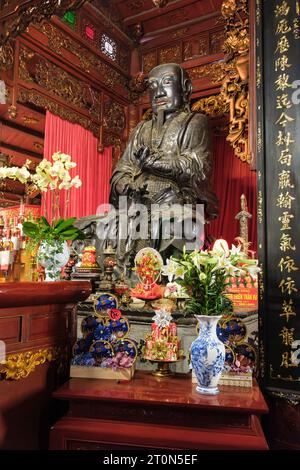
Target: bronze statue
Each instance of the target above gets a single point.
(167, 159)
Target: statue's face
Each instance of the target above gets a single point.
(166, 92)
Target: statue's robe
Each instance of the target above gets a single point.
(183, 173)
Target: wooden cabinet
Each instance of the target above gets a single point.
(149, 412)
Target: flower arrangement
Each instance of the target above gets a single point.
(48, 176)
(205, 276)
(104, 343)
(147, 266)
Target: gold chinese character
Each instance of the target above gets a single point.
(297, 8)
(283, 45)
(288, 264)
(286, 243)
(288, 285)
(284, 139)
(283, 27)
(287, 336)
(284, 119)
(282, 82)
(285, 362)
(285, 219)
(285, 180)
(296, 29)
(282, 63)
(282, 9)
(285, 157)
(283, 101)
(288, 310)
(284, 201)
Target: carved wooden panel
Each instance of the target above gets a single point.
(114, 118)
(44, 325)
(195, 47)
(149, 61)
(170, 54)
(216, 41)
(36, 69)
(10, 328)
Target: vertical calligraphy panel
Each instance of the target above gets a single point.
(278, 165)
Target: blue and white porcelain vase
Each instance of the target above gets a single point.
(207, 355)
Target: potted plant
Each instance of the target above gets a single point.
(49, 234)
(50, 242)
(204, 275)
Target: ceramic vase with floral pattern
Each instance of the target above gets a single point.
(53, 255)
(207, 355)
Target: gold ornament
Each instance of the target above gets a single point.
(19, 366)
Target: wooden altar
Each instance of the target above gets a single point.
(37, 329)
(149, 412)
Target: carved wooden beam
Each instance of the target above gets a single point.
(16, 16)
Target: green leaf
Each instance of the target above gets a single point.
(31, 230)
(62, 225)
(44, 222)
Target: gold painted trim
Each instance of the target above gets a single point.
(19, 366)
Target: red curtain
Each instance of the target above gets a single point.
(231, 179)
(94, 169)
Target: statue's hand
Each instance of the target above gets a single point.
(142, 155)
(136, 192)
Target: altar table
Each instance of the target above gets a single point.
(157, 413)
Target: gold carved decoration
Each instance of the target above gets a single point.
(29, 96)
(35, 68)
(19, 366)
(6, 56)
(149, 61)
(212, 106)
(180, 33)
(170, 54)
(137, 85)
(114, 117)
(14, 22)
(12, 112)
(160, 3)
(216, 71)
(29, 120)
(235, 90)
(57, 41)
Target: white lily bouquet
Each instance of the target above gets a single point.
(205, 275)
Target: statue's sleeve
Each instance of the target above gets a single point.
(194, 165)
(194, 144)
(126, 167)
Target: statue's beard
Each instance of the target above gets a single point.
(160, 118)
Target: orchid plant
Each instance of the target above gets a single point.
(205, 276)
(48, 176)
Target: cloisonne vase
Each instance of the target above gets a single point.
(207, 355)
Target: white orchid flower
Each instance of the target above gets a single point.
(69, 165)
(76, 182)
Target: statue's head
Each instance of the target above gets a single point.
(170, 88)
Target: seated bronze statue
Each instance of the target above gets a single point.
(167, 159)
